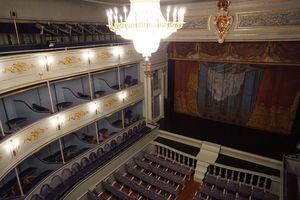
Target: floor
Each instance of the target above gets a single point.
(189, 190)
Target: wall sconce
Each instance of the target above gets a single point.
(93, 106)
(88, 55)
(117, 51)
(47, 62)
(122, 96)
(13, 147)
(58, 122)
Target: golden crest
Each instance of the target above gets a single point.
(78, 115)
(18, 67)
(35, 134)
(1, 157)
(223, 21)
(69, 60)
(105, 55)
(110, 102)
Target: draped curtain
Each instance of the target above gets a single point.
(253, 84)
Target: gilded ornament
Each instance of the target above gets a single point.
(148, 72)
(110, 102)
(18, 67)
(35, 134)
(105, 55)
(133, 93)
(78, 115)
(223, 21)
(69, 60)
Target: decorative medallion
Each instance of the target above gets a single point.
(223, 21)
(110, 102)
(105, 55)
(78, 115)
(69, 60)
(18, 67)
(1, 157)
(35, 134)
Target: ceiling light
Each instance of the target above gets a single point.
(145, 25)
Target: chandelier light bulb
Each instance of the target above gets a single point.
(145, 24)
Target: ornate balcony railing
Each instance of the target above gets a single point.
(29, 69)
(32, 138)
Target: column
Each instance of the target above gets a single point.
(148, 76)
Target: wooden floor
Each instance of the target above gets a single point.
(189, 190)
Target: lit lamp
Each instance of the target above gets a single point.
(94, 107)
(47, 62)
(58, 122)
(122, 96)
(145, 25)
(13, 146)
(88, 55)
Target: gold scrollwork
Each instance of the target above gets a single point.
(110, 102)
(105, 55)
(223, 21)
(35, 134)
(78, 115)
(69, 60)
(18, 67)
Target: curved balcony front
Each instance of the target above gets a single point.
(30, 69)
(32, 138)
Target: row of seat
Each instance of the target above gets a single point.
(171, 165)
(223, 189)
(147, 179)
(165, 174)
(152, 180)
(59, 186)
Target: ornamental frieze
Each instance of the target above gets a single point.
(198, 23)
(18, 67)
(274, 18)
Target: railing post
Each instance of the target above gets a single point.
(1, 129)
(61, 151)
(97, 136)
(19, 182)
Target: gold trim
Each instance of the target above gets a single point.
(78, 115)
(105, 55)
(35, 135)
(110, 102)
(18, 67)
(69, 60)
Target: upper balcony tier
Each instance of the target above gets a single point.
(29, 69)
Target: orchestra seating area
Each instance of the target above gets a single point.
(146, 177)
(216, 188)
(69, 177)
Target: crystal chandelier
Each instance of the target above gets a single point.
(145, 25)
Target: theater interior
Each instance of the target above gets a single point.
(150, 99)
